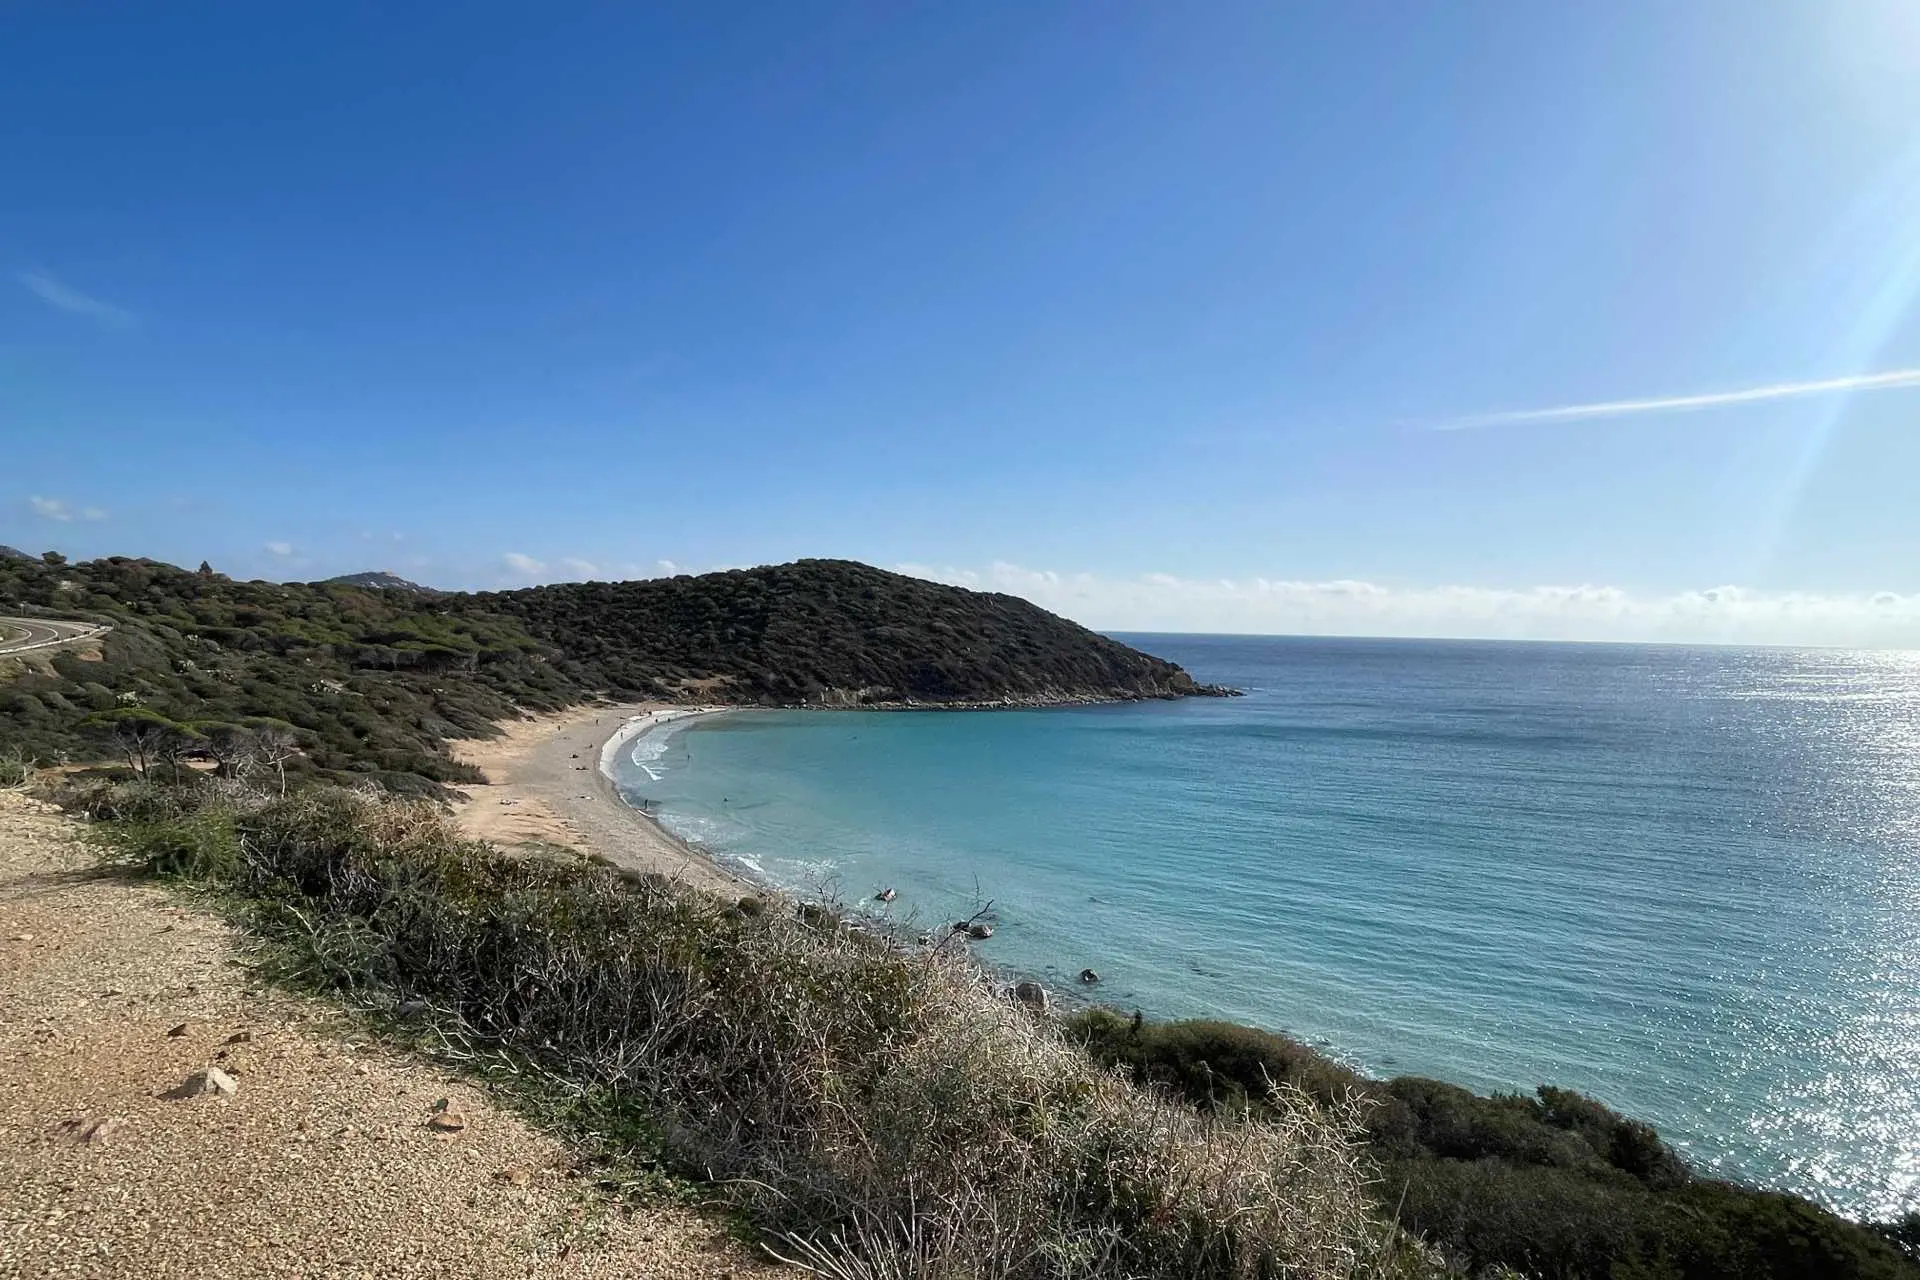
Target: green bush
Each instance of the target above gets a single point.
(197, 846)
(1214, 1064)
(1556, 1185)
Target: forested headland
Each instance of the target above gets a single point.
(372, 680)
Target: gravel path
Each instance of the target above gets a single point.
(322, 1163)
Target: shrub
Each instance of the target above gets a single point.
(196, 846)
(1214, 1064)
(873, 1110)
(15, 769)
(1556, 1185)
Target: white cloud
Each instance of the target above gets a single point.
(1724, 614)
(524, 565)
(56, 293)
(280, 548)
(579, 568)
(64, 512)
(1888, 381)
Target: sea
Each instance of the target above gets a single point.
(1684, 880)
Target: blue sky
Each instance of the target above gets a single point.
(1247, 316)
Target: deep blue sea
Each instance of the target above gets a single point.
(1684, 880)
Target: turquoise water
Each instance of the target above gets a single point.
(1684, 880)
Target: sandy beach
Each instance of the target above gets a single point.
(547, 786)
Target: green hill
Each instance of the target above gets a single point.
(373, 680)
(833, 632)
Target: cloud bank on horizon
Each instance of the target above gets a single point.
(1257, 606)
(1890, 380)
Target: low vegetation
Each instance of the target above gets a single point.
(872, 1112)
(1553, 1185)
(369, 682)
(365, 684)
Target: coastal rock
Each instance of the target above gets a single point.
(885, 895)
(448, 1121)
(1031, 995)
(1089, 977)
(980, 929)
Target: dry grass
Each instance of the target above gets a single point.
(16, 771)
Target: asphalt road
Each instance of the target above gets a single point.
(18, 635)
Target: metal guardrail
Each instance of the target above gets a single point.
(89, 633)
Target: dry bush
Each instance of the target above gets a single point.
(16, 770)
(876, 1112)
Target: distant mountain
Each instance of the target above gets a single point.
(375, 580)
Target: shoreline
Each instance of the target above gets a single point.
(522, 761)
(639, 725)
(549, 784)
(633, 730)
